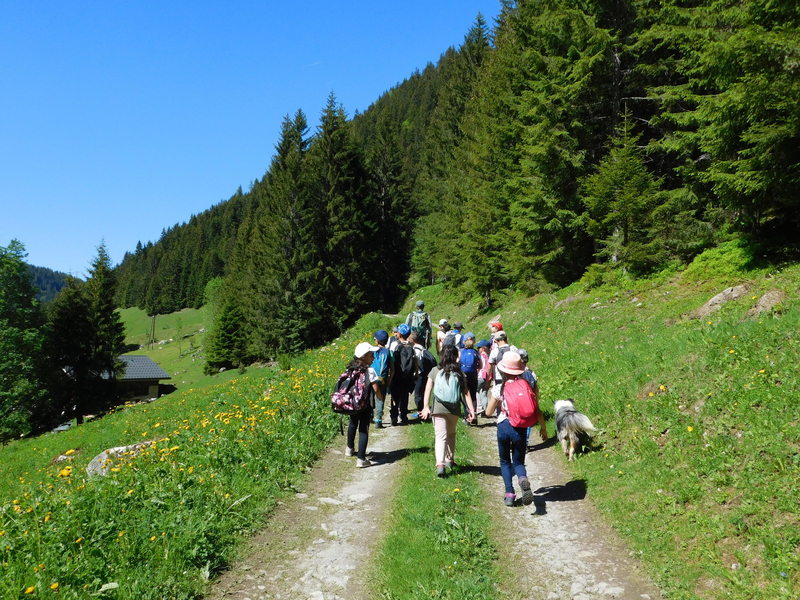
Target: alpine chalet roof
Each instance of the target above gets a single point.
(142, 367)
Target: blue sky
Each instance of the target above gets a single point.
(120, 118)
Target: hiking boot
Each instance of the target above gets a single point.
(527, 494)
(363, 462)
(509, 499)
(348, 451)
(440, 471)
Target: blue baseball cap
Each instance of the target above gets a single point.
(483, 343)
(382, 336)
(469, 336)
(403, 329)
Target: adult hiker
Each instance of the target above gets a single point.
(420, 323)
(406, 369)
(518, 409)
(469, 361)
(426, 362)
(359, 421)
(444, 327)
(384, 368)
(445, 391)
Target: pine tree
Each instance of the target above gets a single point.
(349, 227)
(74, 376)
(108, 338)
(22, 392)
(620, 197)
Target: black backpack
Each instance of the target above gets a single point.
(405, 361)
(453, 338)
(427, 363)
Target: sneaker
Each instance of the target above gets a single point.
(348, 451)
(451, 465)
(527, 494)
(509, 499)
(440, 471)
(378, 425)
(363, 462)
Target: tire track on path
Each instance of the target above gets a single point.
(560, 547)
(318, 545)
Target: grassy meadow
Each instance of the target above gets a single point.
(166, 519)
(696, 462)
(178, 346)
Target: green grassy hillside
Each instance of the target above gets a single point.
(697, 462)
(178, 346)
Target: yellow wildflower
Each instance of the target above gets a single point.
(54, 586)
(690, 429)
(30, 589)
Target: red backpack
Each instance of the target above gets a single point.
(520, 403)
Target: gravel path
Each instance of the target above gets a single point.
(317, 541)
(317, 544)
(561, 548)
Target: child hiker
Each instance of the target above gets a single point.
(519, 409)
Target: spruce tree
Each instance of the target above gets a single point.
(108, 331)
(23, 400)
(620, 198)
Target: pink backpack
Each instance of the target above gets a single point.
(352, 392)
(520, 403)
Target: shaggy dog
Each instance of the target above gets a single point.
(574, 428)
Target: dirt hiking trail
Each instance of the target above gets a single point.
(560, 546)
(318, 544)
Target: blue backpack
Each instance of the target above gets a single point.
(469, 360)
(381, 363)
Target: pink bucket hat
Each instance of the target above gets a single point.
(511, 363)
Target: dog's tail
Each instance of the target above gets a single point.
(581, 421)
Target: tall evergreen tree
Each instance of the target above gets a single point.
(22, 392)
(351, 239)
(620, 197)
(108, 338)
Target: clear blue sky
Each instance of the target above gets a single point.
(120, 118)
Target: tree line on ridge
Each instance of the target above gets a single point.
(602, 135)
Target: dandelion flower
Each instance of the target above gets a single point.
(731, 351)
(650, 394)
(690, 428)
(54, 586)
(30, 589)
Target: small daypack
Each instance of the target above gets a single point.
(501, 350)
(352, 392)
(427, 363)
(520, 403)
(470, 361)
(452, 339)
(381, 363)
(419, 324)
(405, 361)
(447, 390)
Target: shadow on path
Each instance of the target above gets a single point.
(570, 491)
(392, 456)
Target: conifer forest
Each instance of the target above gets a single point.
(568, 136)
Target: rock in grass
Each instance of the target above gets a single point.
(104, 462)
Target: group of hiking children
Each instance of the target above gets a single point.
(488, 378)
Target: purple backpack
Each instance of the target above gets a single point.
(351, 394)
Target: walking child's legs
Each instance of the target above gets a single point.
(519, 447)
(505, 436)
(444, 427)
(359, 422)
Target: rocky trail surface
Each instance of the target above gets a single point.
(317, 545)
